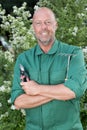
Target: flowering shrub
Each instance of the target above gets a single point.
(18, 29)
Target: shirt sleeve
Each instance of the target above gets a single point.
(77, 74)
(16, 87)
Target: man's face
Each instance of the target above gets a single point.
(44, 25)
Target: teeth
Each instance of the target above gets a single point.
(44, 33)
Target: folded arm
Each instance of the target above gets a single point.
(28, 101)
(36, 94)
(59, 92)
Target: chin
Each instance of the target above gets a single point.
(46, 42)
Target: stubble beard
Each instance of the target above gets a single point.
(44, 42)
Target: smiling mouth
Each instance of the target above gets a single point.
(44, 33)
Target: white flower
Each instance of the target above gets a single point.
(24, 4)
(2, 12)
(36, 7)
(23, 112)
(75, 30)
(73, 33)
(9, 56)
(4, 115)
(9, 100)
(7, 24)
(80, 15)
(6, 87)
(13, 107)
(2, 88)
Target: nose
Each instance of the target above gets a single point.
(43, 26)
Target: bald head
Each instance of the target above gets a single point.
(44, 10)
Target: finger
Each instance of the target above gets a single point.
(22, 76)
(27, 79)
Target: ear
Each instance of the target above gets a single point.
(56, 26)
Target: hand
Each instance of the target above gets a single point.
(24, 78)
(30, 87)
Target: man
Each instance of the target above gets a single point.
(57, 79)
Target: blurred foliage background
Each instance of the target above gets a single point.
(16, 35)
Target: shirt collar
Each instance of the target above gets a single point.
(53, 49)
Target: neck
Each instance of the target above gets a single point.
(46, 48)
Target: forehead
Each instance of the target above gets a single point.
(42, 14)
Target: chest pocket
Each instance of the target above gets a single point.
(60, 75)
(57, 77)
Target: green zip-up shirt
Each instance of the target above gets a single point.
(62, 64)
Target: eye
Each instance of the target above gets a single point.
(48, 22)
(38, 23)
